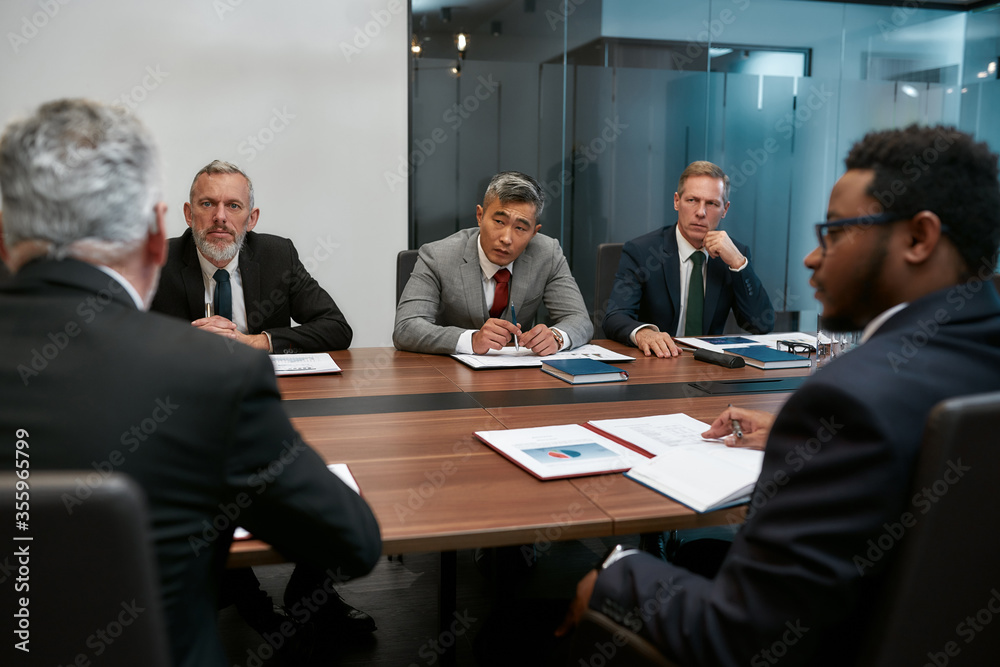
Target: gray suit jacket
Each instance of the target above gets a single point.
(444, 296)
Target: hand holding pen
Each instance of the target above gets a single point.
(737, 427)
(513, 320)
(741, 427)
(493, 335)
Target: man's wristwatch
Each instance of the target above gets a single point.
(558, 336)
(615, 554)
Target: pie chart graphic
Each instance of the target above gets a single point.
(567, 454)
(563, 453)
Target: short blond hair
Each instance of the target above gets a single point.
(705, 168)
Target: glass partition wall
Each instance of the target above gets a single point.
(607, 102)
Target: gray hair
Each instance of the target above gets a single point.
(510, 186)
(221, 167)
(81, 179)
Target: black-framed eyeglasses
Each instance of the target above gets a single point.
(797, 347)
(823, 228)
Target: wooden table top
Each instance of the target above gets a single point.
(404, 423)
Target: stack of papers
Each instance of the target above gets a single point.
(303, 364)
(664, 452)
(704, 475)
(508, 357)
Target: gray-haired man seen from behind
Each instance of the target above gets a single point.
(83, 228)
(466, 290)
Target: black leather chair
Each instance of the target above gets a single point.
(90, 583)
(608, 255)
(405, 261)
(945, 570)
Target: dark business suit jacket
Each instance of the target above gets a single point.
(193, 417)
(276, 288)
(837, 471)
(647, 290)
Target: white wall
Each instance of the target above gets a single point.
(325, 104)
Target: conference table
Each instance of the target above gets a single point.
(404, 424)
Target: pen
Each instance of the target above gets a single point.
(513, 320)
(737, 428)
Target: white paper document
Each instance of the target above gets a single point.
(553, 452)
(656, 434)
(508, 357)
(303, 364)
(702, 474)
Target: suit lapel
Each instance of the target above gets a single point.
(672, 273)
(194, 283)
(519, 281)
(472, 283)
(250, 277)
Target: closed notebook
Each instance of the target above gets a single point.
(583, 371)
(766, 358)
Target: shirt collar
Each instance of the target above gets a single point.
(879, 320)
(129, 288)
(209, 269)
(684, 248)
(488, 267)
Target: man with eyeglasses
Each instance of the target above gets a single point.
(903, 256)
(684, 279)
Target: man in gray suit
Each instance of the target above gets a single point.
(466, 291)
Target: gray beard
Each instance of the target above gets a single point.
(216, 254)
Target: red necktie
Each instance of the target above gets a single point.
(501, 293)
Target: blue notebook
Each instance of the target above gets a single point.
(767, 358)
(583, 371)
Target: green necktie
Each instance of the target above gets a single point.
(696, 297)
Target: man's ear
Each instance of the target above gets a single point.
(538, 228)
(479, 214)
(677, 201)
(254, 214)
(187, 213)
(725, 209)
(924, 230)
(156, 240)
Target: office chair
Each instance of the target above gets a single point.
(945, 571)
(89, 579)
(405, 261)
(608, 255)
